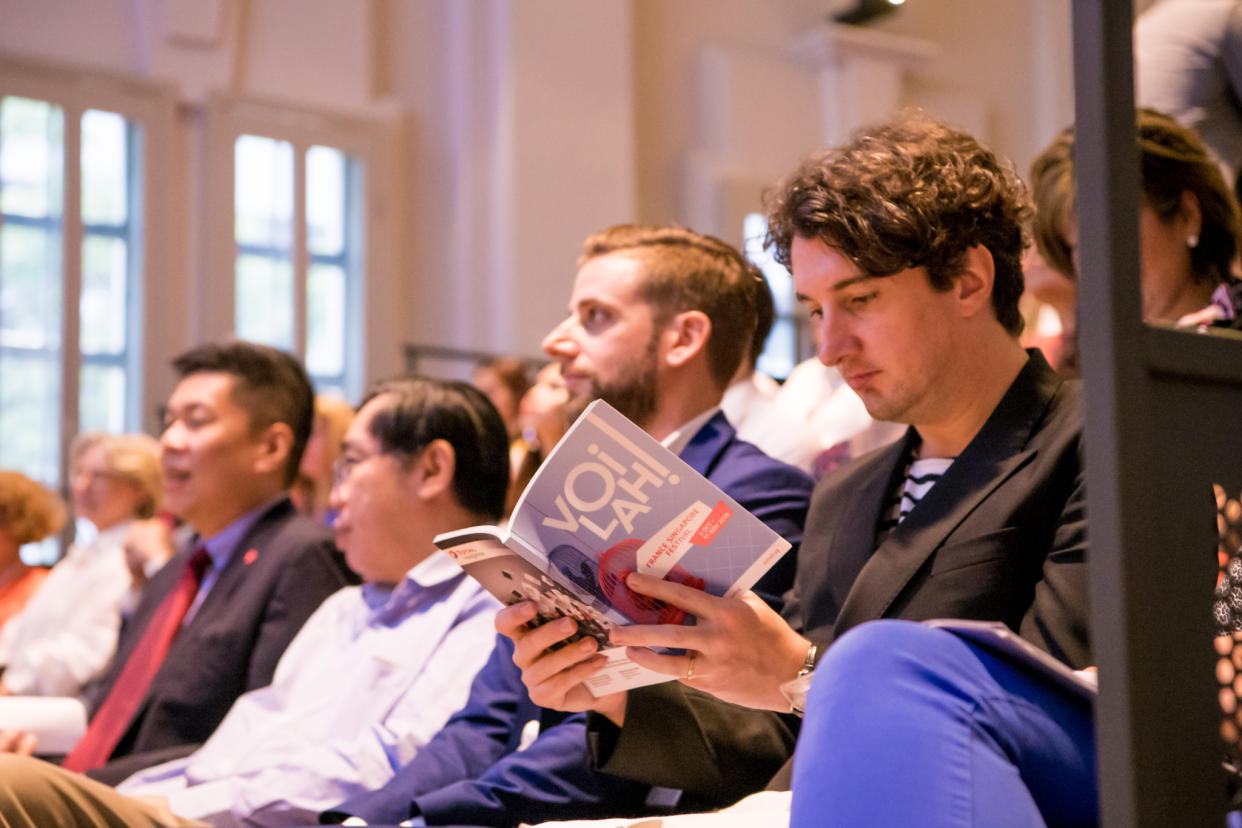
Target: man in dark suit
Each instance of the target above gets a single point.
(905, 247)
(660, 318)
(234, 431)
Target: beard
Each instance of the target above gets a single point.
(633, 392)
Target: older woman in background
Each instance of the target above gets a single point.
(28, 514)
(67, 632)
(311, 489)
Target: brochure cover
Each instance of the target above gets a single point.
(610, 500)
(56, 722)
(1000, 640)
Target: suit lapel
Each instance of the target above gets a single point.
(240, 559)
(992, 457)
(227, 581)
(708, 444)
(858, 514)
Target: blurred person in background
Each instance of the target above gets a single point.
(148, 545)
(68, 630)
(543, 418)
(1188, 224)
(312, 490)
(28, 514)
(504, 380)
(1048, 266)
(751, 401)
(1052, 296)
(1188, 63)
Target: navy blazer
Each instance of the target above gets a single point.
(470, 773)
(1001, 536)
(278, 574)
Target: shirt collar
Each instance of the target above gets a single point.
(114, 534)
(423, 582)
(220, 546)
(677, 441)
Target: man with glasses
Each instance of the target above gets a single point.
(376, 670)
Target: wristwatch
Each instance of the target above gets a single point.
(795, 689)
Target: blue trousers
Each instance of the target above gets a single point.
(910, 725)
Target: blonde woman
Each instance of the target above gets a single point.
(68, 631)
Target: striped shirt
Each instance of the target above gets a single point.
(920, 476)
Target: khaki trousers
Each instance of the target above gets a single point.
(36, 794)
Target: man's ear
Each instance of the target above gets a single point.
(434, 469)
(685, 336)
(273, 448)
(973, 285)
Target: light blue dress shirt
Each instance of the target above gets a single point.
(369, 679)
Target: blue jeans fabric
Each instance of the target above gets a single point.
(910, 725)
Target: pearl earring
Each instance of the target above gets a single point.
(1192, 241)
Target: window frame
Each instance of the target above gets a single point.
(372, 141)
(152, 106)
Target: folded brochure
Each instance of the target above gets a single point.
(998, 639)
(610, 500)
(56, 722)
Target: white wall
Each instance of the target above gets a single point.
(1004, 69)
(534, 122)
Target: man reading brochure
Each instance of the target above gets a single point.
(611, 500)
(375, 671)
(905, 247)
(658, 323)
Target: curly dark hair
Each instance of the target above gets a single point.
(909, 192)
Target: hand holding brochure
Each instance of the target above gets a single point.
(56, 722)
(610, 500)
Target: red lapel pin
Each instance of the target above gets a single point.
(252, 555)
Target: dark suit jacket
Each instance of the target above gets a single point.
(237, 635)
(470, 772)
(1001, 536)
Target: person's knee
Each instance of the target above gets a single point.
(27, 795)
(871, 657)
(897, 663)
(880, 643)
(19, 774)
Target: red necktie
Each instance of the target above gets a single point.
(117, 711)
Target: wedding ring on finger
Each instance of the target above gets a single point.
(690, 667)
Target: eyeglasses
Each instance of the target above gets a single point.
(93, 476)
(344, 466)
